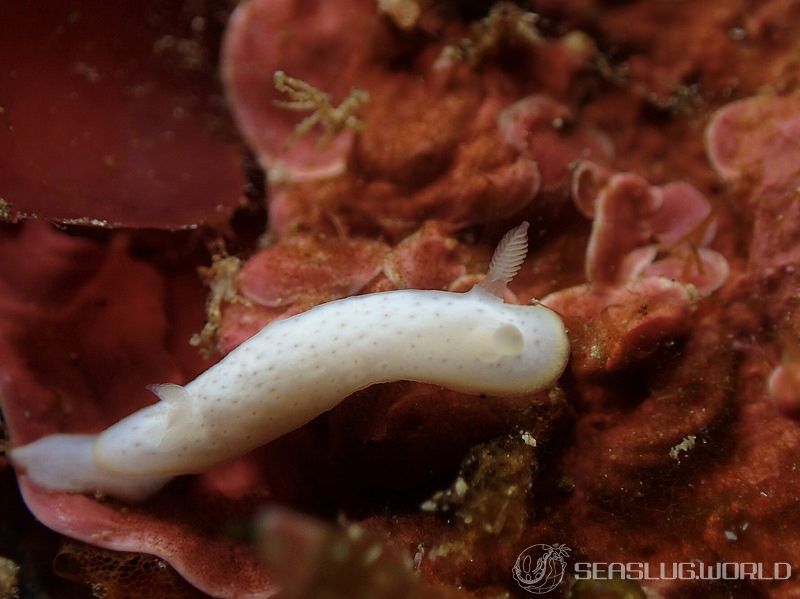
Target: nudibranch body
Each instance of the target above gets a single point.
(295, 369)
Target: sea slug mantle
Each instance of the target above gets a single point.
(297, 368)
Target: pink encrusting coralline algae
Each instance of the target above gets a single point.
(651, 146)
(643, 269)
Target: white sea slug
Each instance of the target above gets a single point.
(300, 367)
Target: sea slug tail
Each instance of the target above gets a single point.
(66, 463)
(507, 260)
